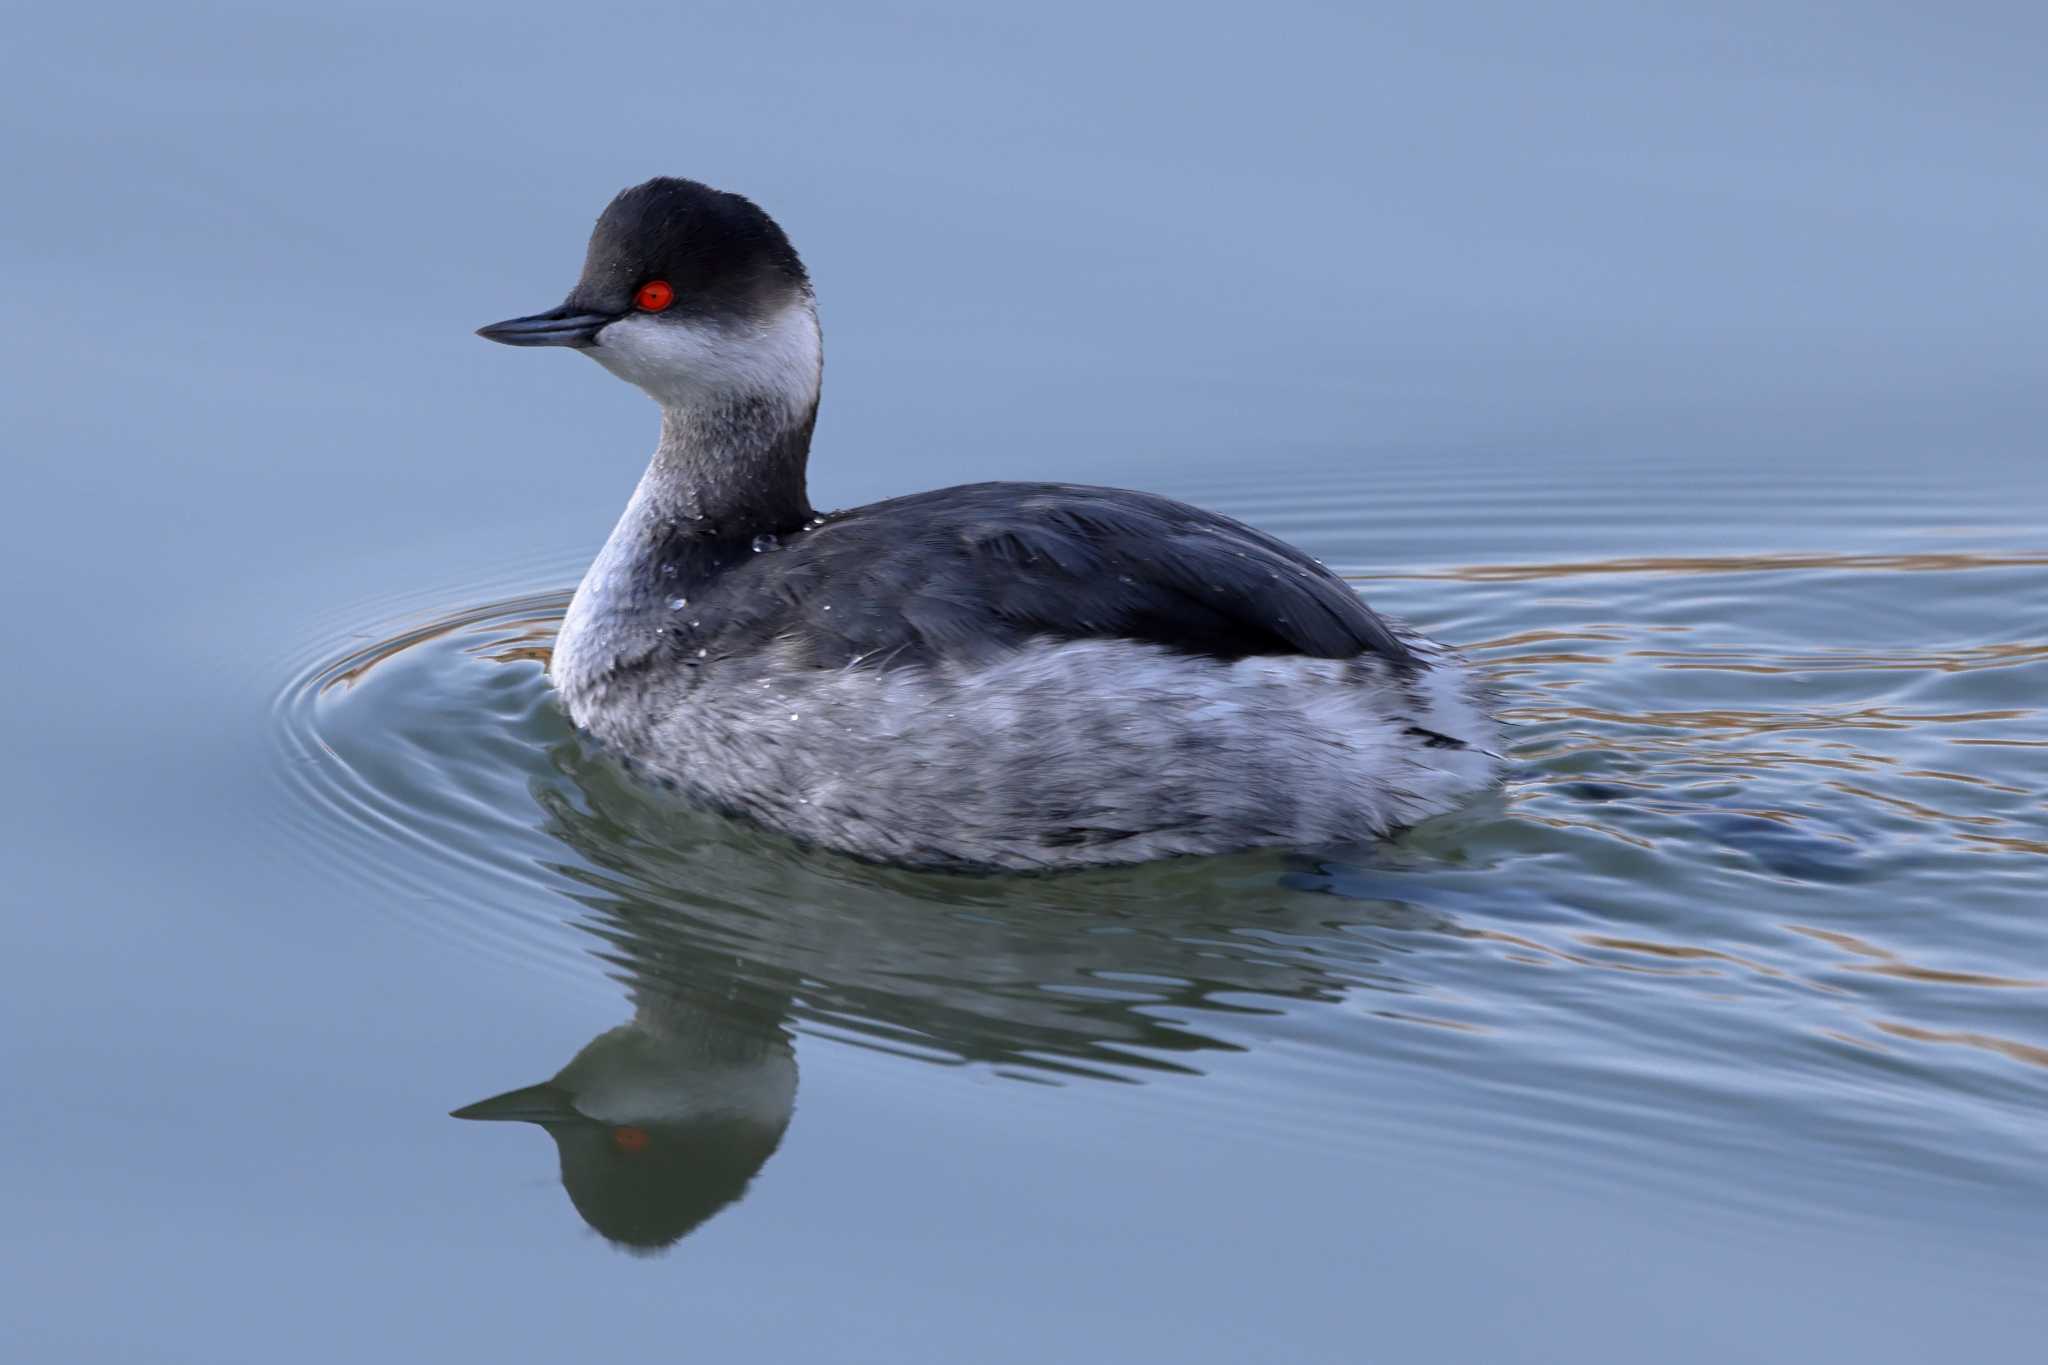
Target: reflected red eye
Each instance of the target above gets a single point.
(654, 296)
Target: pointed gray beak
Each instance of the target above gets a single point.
(543, 1103)
(564, 326)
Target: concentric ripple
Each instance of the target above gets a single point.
(1752, 882)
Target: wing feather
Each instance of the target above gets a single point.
(963, 570)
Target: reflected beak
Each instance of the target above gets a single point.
(564, 326)
(543, 1103)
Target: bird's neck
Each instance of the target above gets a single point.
(729, 469)
(726, 474)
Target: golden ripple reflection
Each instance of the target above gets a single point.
(1728, 564)
(2029, 1053)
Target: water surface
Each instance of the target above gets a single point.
(1684, 370)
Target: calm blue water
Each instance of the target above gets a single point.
(1686, 370)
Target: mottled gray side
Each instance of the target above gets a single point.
(1061, 754)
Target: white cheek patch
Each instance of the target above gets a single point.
(683, 363)
(762, 1090)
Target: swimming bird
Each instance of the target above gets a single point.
(1001, 676)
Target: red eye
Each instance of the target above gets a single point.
(629, 1139)
(654, 296)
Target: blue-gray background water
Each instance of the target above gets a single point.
(1687, 368)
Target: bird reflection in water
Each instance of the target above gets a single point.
(726, 939)
(662, 1122)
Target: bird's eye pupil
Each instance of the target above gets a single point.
(654, 296)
